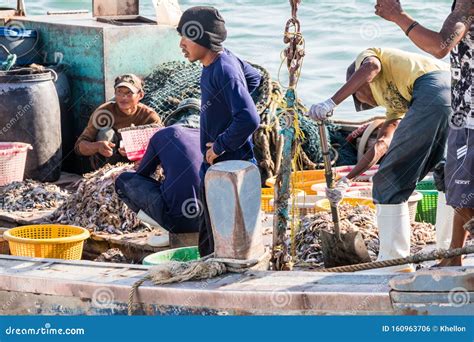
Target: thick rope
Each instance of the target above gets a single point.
(412, 259)
(206, 268)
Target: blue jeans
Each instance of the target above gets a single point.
(144, 193)
(419, 142)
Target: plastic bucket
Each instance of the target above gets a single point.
(177, 254)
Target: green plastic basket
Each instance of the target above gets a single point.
(426, 184)
(426, 210)
(177, 254)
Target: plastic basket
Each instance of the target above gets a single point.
(12, 161)
(427, 207)
(47, 241)
(365, 176)
(177, 254)
(426, 210)
(426, 184)
(302, 180)
(324, 205)
(136, 140)
(303, 205)
(413, 201)
(268, 194)
(320, 188)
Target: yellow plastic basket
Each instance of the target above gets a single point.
(47, 241)
(324, 204)
(268, 194)
(302, 180)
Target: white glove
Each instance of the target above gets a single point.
(320, 111)
(337, 194)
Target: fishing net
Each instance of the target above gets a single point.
(172, 82)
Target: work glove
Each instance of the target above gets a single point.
(438, 176)
(336, 194)
(320, 111)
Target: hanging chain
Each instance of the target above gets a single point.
(294, 54)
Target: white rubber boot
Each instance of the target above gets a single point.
(393, 221)
(162, 240)
(444, 222)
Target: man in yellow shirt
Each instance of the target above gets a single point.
(415, 90)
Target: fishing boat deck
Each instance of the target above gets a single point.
(49, 286)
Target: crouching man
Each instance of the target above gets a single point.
(100, 139)
(172, 203)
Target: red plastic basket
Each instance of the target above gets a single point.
(12, 161)
(136, 140)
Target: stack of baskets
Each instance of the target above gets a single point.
(12, 161)
(268, 195)
(302, 180)
(426, 211)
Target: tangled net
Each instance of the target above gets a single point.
(175, 81)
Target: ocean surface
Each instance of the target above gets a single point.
(335, 31)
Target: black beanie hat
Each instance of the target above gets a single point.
(203, 25)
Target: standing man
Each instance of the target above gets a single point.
(228, 114)
(456, 36)
(415, 92)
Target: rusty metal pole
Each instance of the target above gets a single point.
(294, 54)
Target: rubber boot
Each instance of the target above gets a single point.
(162, 240)
(444, 222)
(393, 221)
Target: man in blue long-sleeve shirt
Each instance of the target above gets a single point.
(172, 203)
(228, 114)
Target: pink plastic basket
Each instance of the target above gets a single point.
(136, 140)
(12, 161)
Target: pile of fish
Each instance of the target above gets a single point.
(30, 195)
(96, 206)
(114, 255)
(358, 218)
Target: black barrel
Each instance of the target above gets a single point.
(30, 113)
